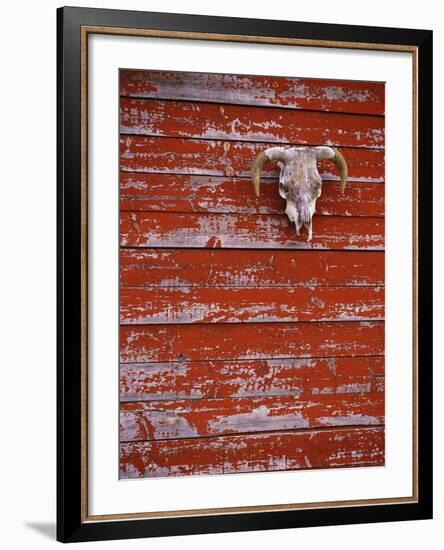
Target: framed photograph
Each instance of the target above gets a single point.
(244, 284)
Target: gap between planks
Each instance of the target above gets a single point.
(320, 357)
(264, 176)
(135, 326)
(240, 287)
(254, 142)
(264, 432)
(122, 400)
(248, 105)
(283, 358)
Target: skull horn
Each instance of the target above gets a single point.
(275, 154)
(333, 154)
(342, 167)
(256, 168)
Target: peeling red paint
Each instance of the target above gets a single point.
(250, 378)
(182, 230)
(209, 157)
(207, 121)
(212, 341)
(142, 421)
(243, 347)
(190, 193)
(328, 448)
(207, 268)
(221, 305)
(294, 93)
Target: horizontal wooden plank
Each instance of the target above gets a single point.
(304, 449)
(251, 378)
(216, 194)
(145, 343)
(250, 305)
(292, 93)
(230, 158)
(142, 421)
(169, 229)
(247, 123)
(249, 268)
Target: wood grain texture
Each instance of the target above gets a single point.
(217, 194)
(230, 158)
(212, 268)
(145, 421)
(169, 229)
(251, 378)
(304, 449)
(247, 123)
(249, 305)
(206, 342)
(291, 93)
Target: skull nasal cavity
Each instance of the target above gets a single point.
(304, 213)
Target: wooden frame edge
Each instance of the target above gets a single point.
(249, 509)
(84, 272)
(85, 31)
(222, 37)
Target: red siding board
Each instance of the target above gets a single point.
(142, 421)
(327, 448)
(250, 378)
(169, 229)
(210, 268)
(213, 341)
(246, 123)
(292, 93)
(210, 305)
(188, 193)
(230, 158)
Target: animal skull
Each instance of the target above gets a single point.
(299, 181)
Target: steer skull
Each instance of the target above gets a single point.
(299, 181)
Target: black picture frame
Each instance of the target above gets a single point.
(71, 523)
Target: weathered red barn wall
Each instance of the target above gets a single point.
(244, 347)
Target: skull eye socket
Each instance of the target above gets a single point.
(284, 188)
